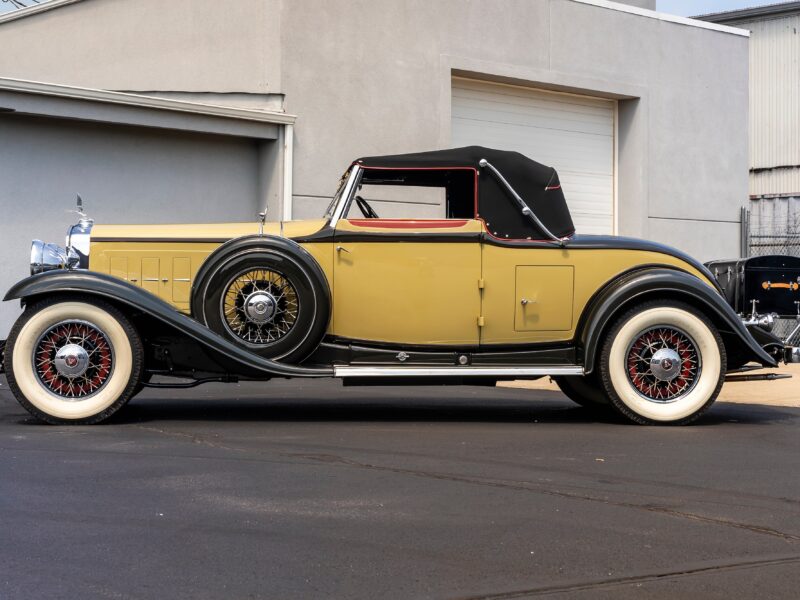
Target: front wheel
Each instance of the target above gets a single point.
(73, 360)
(662, 362)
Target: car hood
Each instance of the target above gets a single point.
(218, 232)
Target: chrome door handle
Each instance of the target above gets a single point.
(525, 302)
(342, 249)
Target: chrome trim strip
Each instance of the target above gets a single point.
(526, 210)
(392, 371)
(169, 240)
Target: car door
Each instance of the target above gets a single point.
(529, 293)
(409, 282)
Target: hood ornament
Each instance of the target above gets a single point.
(85, 222)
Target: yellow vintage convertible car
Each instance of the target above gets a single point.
(490, 283)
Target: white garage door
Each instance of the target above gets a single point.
(574, 134)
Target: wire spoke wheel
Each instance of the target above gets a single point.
(260, 306)
(73, 360)
(663, 364)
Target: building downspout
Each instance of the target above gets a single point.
(288, 167)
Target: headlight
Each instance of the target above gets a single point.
(48, 257)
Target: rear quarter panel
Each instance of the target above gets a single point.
(592, 269)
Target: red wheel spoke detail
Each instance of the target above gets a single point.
(97, 348)
(641, 352)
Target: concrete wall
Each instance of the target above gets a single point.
(648, 4)
(370, 77)
(381, 84)
(124, 174)
(138, 45)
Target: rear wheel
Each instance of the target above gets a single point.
(73, 361)
(663, 362)
(586, 390)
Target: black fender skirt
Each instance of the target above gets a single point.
(663, 283)
(122, 292)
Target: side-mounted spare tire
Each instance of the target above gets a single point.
(267, 294)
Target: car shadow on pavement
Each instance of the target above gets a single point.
(457, 405)
(313, 402)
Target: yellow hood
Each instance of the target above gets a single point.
(200, 232)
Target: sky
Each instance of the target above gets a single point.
(689, 8)
(676, 7)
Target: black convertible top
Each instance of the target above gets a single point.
(537, 184)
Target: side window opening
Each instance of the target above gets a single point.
(414, 194)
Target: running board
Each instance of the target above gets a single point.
(373, 371)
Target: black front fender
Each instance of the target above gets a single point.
(124, 293)
(658, 284)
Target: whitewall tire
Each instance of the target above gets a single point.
(73, 360)
(662, 362)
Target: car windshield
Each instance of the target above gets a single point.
(337, 196)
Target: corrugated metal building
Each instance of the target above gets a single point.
(774, 122)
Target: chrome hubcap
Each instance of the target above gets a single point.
(666, 364)
(663, 364)
(71, 360)
(259, 307)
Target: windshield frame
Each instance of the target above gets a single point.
(337, 194)
(343, 195)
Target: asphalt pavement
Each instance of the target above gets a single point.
(307, 489)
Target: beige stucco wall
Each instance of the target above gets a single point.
(367, 77)
(384, 87)
(146, 45)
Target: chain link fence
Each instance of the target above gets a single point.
(772, 226)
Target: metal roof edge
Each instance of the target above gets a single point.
(754, 12)
(702, 22)
(151, 102)
(36, 9)
(652, 14)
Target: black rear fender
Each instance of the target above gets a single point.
(666, 284)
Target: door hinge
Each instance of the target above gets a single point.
(481, 321)
(481, 284)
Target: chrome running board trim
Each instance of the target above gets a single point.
(392, 371)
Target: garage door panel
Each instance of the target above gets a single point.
(595, 224)
(565, 150)
(512, 95)
(555, 119)
(574, 134)
(590, 118)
